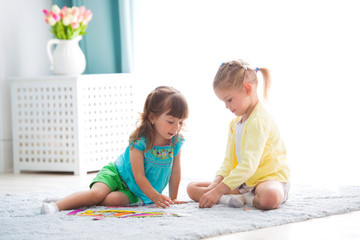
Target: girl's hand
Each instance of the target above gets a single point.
(161, 200)
(209, 199)
(179, 202)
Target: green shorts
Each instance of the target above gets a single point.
(110, 176)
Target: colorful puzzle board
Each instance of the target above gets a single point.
(119, 213)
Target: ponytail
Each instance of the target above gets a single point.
(267, 80)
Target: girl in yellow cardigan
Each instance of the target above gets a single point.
(254, 170)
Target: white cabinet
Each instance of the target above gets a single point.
(71, 124)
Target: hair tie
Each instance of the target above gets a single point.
(256, 70)
(244, 67)
(222, 64)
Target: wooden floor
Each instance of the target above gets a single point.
(345, 226)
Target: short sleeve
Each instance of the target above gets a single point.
(179, 143)
(139, 144)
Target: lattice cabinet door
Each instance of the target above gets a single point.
(71, 124)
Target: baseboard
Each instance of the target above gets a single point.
(6, 156)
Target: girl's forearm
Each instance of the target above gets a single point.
(146, 187)
(174, 186)
(218, 179)
(173, 192)
(222, 188)
(175, 178)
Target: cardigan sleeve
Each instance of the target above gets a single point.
(253, 143)
(228, 162)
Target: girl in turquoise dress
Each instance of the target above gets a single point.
(149, 163)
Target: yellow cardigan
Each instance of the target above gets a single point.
(263, 153)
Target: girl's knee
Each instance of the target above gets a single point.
(97, 196)
(271, 199)
(190, 189)
(115, 199)
(98, 192)
(191, 184)
(269, 195)
(194, 190)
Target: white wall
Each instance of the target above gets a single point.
(23, 39)
(312, 49)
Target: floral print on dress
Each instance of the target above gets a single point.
(162, 153)
(159, 157)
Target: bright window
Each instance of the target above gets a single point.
(311, 48)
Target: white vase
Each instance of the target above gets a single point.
(67, 58)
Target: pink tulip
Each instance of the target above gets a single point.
(74, 25)
(75, 11)
(46, 12)
(62, 13)
(56, 17)
(88, 16)
(82, 10)
(88, 13)
(80, 18)
(52, 21)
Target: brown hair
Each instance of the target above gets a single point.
(159, 101)
(232, 74)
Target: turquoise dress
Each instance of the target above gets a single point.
(158, 163)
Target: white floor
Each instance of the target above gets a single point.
(345, 226)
